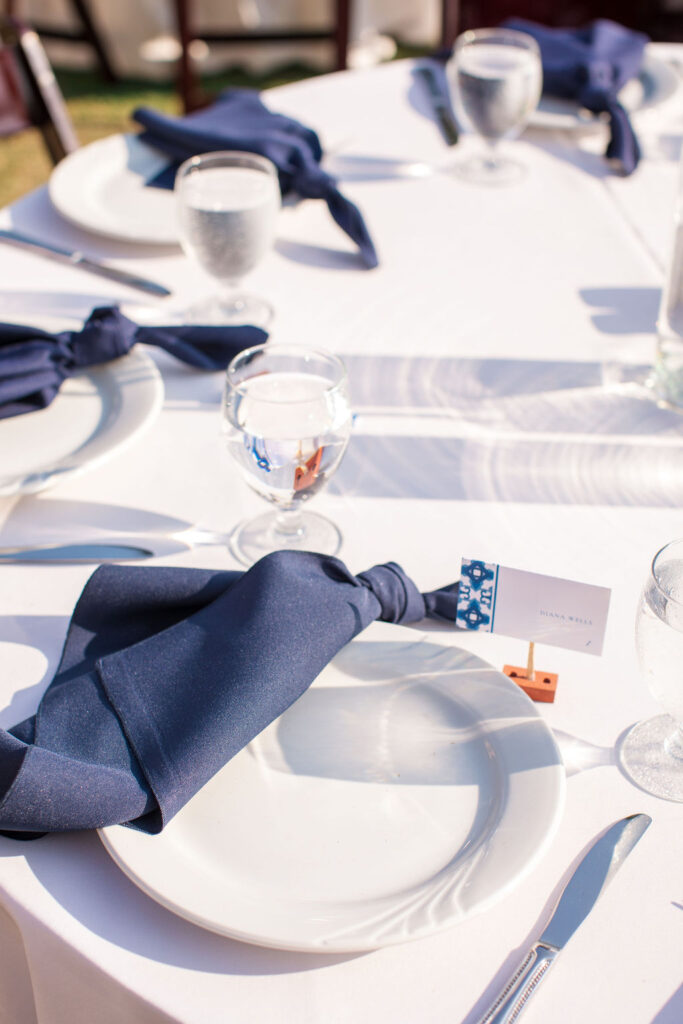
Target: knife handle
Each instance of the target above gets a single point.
(521, 986)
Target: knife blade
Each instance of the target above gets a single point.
(440, 104)
(124, 547)
(76, 554)
(589, 880)
(78, 259)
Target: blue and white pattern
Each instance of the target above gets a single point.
(477, 595)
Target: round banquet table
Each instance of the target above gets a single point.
(489, 356)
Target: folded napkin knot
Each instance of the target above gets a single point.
(166, 673)
(34, 363)
(399, 598)
(107, 334)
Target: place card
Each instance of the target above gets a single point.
(545, 609)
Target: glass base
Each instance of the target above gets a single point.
(651, 757)
(235, 310)
(255, 538)
(489, 170)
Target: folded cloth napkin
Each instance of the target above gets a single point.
(34, 363)
(591, 64)
(238, 119)
(166, 673)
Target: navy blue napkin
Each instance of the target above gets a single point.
(238, 119)
(590, 65)
(167, 672)
(34, 363)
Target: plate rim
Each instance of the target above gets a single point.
(555, 780)
(59, 183)
(54, 473)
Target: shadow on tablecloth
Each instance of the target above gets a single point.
(510, 430)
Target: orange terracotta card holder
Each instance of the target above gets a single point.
(540, 686)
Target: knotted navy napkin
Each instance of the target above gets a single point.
(238, 119)
(166, 673)
(34, 363)
(591, 65)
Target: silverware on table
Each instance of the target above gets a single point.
(78, 259)
(440, 103)
(123, 548)
(579, 896)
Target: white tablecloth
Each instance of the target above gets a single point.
(500, 323)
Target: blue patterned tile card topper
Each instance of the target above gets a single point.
(477, 595)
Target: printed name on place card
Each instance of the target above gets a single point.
(544, 609)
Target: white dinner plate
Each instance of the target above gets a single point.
(101, 188)
(656, 85)
(93, 416)
(410, 787)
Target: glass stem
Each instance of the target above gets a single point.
(288, 523)
(674, 743)
(491, 154)
(228, 295)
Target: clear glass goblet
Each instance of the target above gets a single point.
(286, 418)
(651, 754)
(227, 212)
(495, 76)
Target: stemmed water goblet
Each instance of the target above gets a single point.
(286, 419)
(495, 76)
(227, 205)
(652, 752)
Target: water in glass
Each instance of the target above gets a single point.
(286, 421)
(659, 638)
(499, 87)
(228, 218)
(287, 432)
(227, 205)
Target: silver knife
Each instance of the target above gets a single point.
(77, 259)
(440, 104)
(121, 548)
(76, 554)
(590, 879)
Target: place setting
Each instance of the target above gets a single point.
(386, 717)
(497, 81)
(70, 398)
(131, 177)
(432, 722)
